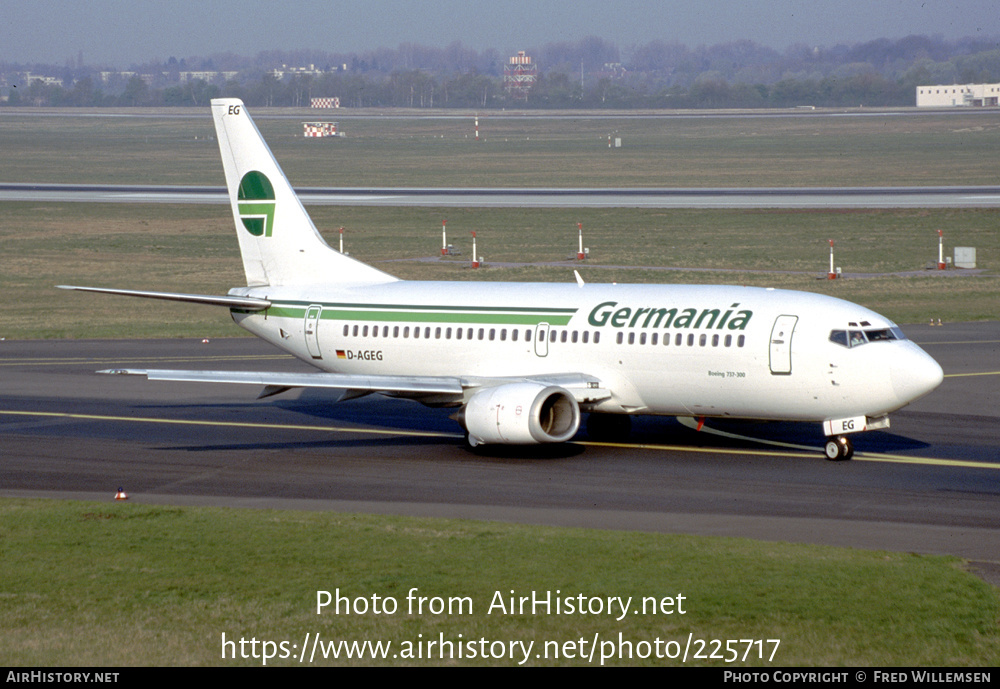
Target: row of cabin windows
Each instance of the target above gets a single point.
(678, 339)
(451, 333)
(572, 336)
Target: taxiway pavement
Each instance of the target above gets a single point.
(928, 484)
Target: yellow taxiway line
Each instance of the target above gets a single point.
(788, 450)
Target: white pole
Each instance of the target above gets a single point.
(579, 252)
(831, 275)
(341, 240)
(444, 239)
(475, 260)
(940, 250)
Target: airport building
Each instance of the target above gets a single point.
(958, 95)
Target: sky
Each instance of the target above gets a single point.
(119, 33)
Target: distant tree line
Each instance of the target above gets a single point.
(590, 73)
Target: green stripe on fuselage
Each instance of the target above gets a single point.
(426, 314)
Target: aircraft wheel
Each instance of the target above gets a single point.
(609, 427)
(839, 449)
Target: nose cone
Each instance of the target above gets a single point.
(914, 374)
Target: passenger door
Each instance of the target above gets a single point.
(311, 328)
(781, 345)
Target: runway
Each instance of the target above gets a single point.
(703, 198)
(929, 484)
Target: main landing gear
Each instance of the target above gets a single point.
(839, 449)
(608, 428)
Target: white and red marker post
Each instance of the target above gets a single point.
(475, 258)
(579, 252)
(941, 265)
(341, 240)
(832, 275)
(444, 239)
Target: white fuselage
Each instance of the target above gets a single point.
(712, 351)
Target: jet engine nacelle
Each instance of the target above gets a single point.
(521, 414)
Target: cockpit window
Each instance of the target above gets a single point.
(876, 335)
(856, 338)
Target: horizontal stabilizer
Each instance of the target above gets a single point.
(248, 303)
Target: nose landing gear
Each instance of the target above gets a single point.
(839, 449)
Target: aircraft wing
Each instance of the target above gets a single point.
(585, 389)
(340, 381)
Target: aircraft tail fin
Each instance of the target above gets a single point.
(278, 241)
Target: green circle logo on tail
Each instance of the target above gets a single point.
(255, 199)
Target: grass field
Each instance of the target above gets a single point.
(438, 149)
(193, 248)
(99, 584)
(173, 247)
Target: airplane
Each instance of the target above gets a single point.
(522, 361)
